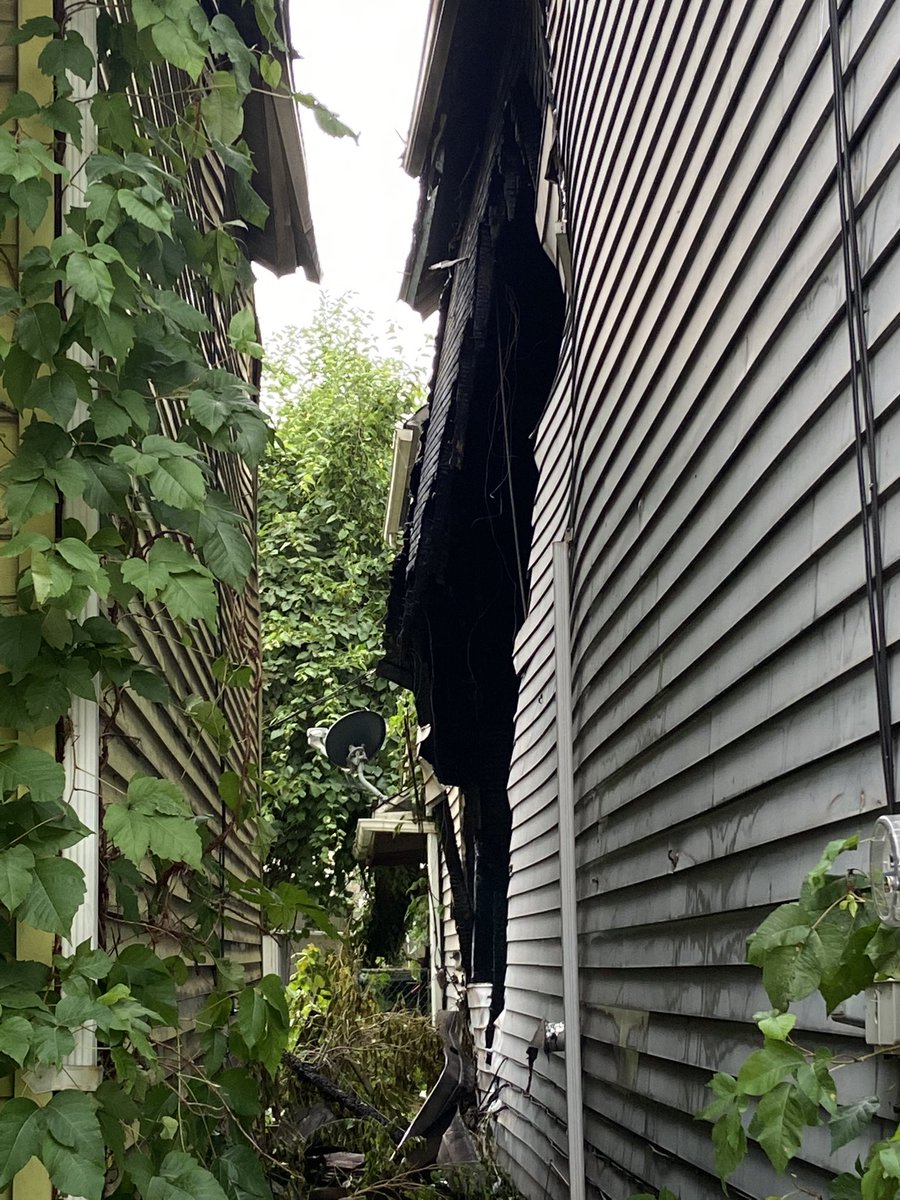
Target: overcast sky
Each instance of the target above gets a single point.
(361, 58)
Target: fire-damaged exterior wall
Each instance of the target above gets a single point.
(695, 446)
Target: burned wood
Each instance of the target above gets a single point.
(347, 1100)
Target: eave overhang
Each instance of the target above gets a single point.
(438, 39)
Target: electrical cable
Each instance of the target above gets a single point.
(864, 421)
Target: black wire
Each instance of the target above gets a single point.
(863, 417)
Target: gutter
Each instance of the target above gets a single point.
(436, 51)
(568, 903)
(407, 435)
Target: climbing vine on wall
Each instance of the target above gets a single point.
(100, 357)
(829, 942)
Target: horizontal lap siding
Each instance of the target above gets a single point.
(531, 1128)
(725, 721)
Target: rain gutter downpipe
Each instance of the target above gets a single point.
(567, 882)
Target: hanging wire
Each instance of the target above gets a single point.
(863, 417)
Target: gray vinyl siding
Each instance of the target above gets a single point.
(724, 708)
(531, 1132)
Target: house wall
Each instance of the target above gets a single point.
(531, 1130)
(724, 707)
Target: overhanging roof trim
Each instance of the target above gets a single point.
(436, 52)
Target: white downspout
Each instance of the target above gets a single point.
(82, 751)
(567, 882)
(435, 948)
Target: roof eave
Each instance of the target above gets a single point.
(438, 39)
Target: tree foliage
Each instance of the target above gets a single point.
(324, 577)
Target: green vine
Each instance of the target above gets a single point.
(829, 942)
(106, 354)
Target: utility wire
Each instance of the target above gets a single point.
(863, 417)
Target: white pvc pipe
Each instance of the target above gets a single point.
(567, 880)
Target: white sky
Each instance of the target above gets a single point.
(361, 59)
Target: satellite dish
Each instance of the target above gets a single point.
(360, 731)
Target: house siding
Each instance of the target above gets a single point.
(724, 710)
(531, 1127)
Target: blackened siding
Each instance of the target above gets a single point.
(724, 711)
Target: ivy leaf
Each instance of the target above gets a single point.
(228, 555)
(778, 1125)
(152, 214)
(776, 1026)
(39, 331)
(179, 46)
(57, 891)
(240, 1171)
(21, 1132)
(56, 394)
(155, 817)
(73, 1149)
(729, 1143)
(111, 332)
(34, 770)
(67, 54)
(15, 1038)
(765, 1069)
(51, 1044)
(20, 643)
(222, 108)
(31, 197)
(190, 596)
(34, 27)
(179, 482)
(850, 1120)
(182, 1178)
(846, 1187)
(211, 719)
(146, 574)
(16, 866)
(251, 1017)
(90, 279)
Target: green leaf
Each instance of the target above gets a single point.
(112, 333)
(191, 597)
(154, 816)
(155, 215)
(56, 394)
(34, 27)
(67, 54)
(21, 1132)
(182, 1178)
(778, 1125)
(20, 643)
(147, 575)
(39, 331)
(252, 1016)
(850, 1120)
(240, 1171)
(52, 1044)
(765, 1069)
(222, 108)
(90, 279)
(32, 770)
(73, 1149)
(775, 1026)
(211, 719)
(77, 554)
(57, 891)
(32, 198)
(179, 482)
(729, 1143)
(15, 1038)
(16, 866)
(228, 555)
(177, 44)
